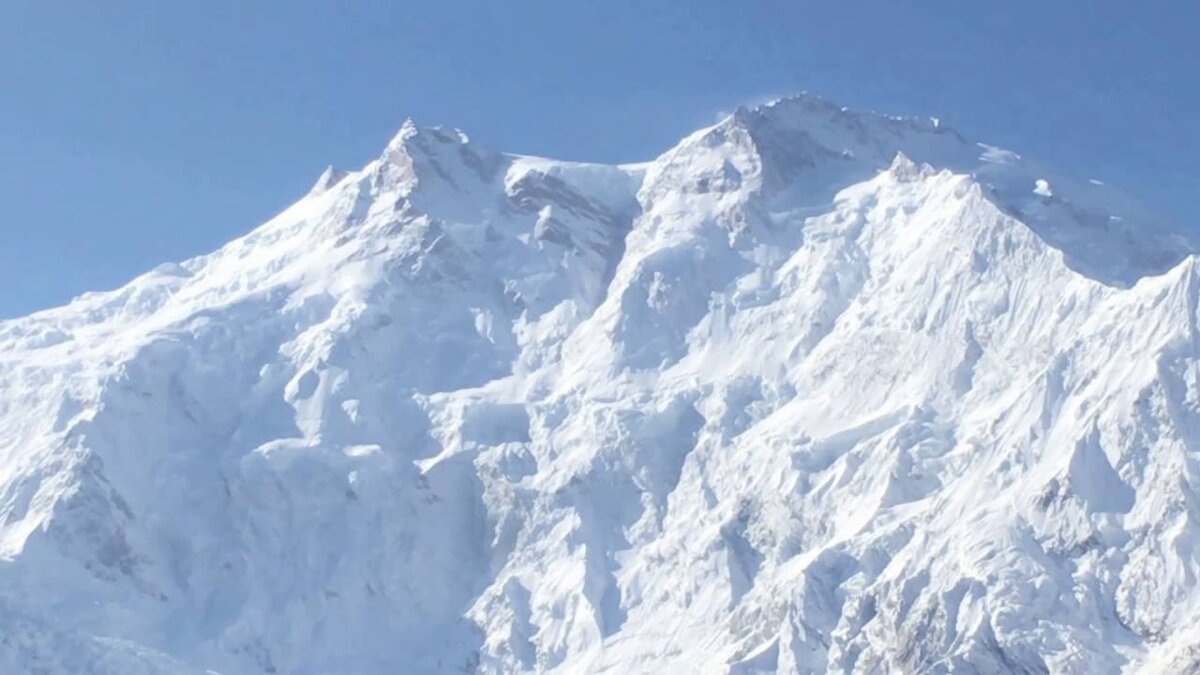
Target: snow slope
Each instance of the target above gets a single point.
(816, 390)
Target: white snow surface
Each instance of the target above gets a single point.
(815, 391)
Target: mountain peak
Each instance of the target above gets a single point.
(904, 169)
(439, 154)
(412, 137)
(329, 178)
(836, 125)
(800, 146)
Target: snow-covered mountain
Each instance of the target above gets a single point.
(814, 391)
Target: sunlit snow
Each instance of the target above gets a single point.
(814, 391)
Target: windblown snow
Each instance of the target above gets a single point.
(815, 391)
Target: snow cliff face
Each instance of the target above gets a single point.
(814, 391)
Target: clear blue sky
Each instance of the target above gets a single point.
(138, 131)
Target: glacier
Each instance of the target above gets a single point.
(815, 391)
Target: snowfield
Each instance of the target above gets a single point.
(815, 391)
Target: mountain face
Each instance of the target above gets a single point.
(815, 391)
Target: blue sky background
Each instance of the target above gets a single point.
(138, 131)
